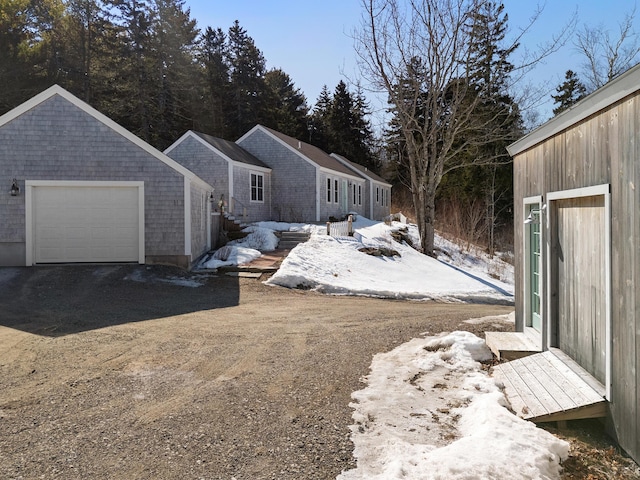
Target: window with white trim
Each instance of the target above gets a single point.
(335, 191)
(257, 187)
(329, 190)
(354, 194)
(359, 194)
(377, 195)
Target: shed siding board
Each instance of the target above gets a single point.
(601, 149)
(293, 179)
(58, 141)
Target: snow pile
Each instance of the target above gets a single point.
(230, 255)
(337, 266)
(430, 412)
(259, 238)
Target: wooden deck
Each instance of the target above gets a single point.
(510, 345)
(550, 386)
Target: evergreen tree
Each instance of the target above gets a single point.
(569, 92)
(215, 60)
(349, 131)
(285, 107)
(247, 81)
(318, 122)
(132, 89)
(174, 74)
(81, 47)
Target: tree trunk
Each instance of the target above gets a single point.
(424, 204)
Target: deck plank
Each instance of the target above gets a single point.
(542, 387)
(510, 345)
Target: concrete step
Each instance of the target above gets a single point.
(289, 240)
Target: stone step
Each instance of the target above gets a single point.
(289, 240)
(302, 236)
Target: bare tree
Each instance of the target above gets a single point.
(419, 53)
(606, 57)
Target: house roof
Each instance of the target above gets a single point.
(312, 153)
(232, 150)
(361, 169)
(58, 90)
(617, 89)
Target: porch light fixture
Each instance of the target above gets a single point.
(529, 220)
(534, 215)
(15, 189)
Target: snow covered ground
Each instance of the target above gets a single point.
(429, 410)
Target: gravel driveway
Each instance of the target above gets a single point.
(133, 372)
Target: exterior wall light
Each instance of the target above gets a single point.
(15, 189)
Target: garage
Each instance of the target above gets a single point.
(75, 222)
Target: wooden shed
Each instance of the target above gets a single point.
(577, 251)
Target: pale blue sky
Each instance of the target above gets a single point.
(310, 40)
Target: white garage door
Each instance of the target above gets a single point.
(86, 224)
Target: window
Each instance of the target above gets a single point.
(328, 190)
(377, 195)
(354, 194)
(335, 191)
(359, 195)
(257, 187)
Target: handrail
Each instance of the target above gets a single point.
(234, 200)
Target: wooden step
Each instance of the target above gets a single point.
(511, 345)
(550, 386)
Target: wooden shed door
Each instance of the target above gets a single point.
(581, 282)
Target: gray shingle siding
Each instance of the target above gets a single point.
(381, 204)
(293, 180)
(202, 161)
(199, 221)
(58, 141)
(243, 207)
(214, 169)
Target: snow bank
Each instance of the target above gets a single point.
(336, 266)
(430, 412)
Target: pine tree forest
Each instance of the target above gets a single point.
(147, 65)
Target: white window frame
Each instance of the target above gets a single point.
(359, 194)
(329, 195)
(336, 191)
(258, 188)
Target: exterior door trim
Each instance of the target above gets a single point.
(528, 204)
(592, 191)
(29, 205)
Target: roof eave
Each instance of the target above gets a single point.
(614, 91)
